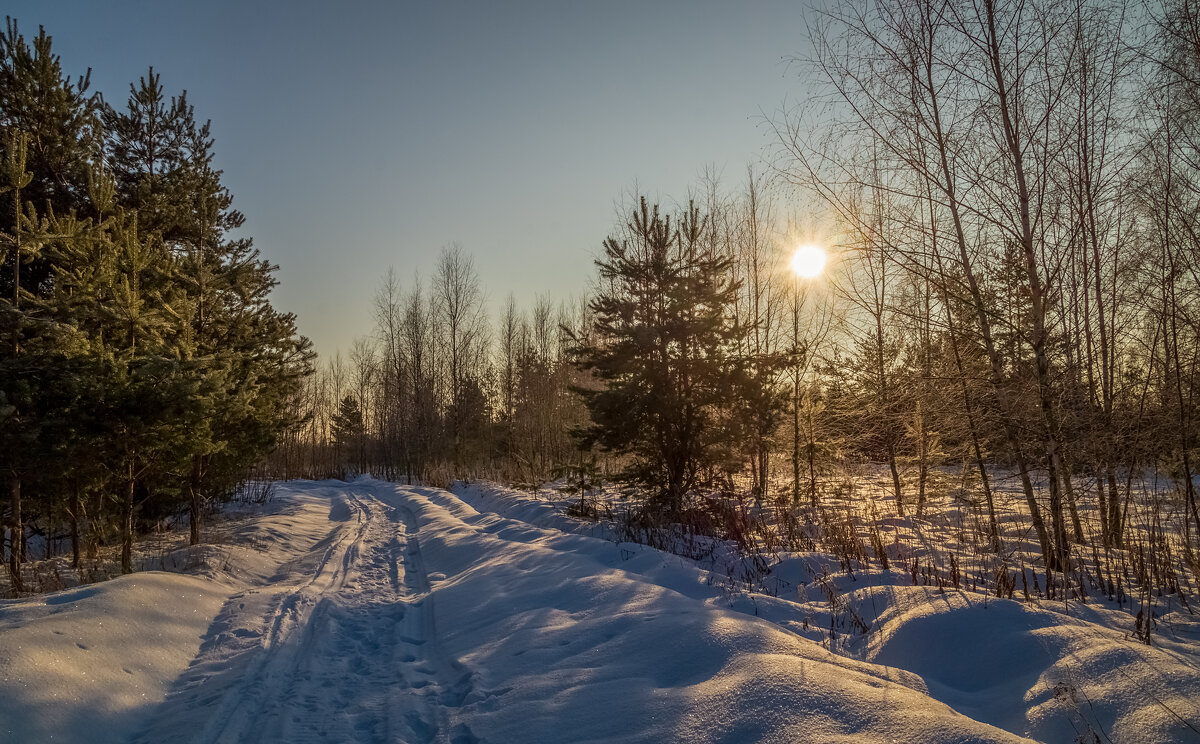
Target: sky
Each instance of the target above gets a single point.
(358, 137)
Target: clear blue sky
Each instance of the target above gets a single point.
(357, 136)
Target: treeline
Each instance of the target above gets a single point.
(439, 391)
(143, 370)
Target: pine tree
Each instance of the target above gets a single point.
(663, 351)
(58, 121)
(146, 149)
(248, 352)
(36, 353)
(47, 128)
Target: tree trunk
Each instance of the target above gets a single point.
(812, 462)
(127, 524)
(764, 462)
(1057, 549)
(1115, 527)
(993, 524)
(1069, 490)
(796, 399)
(196, 502)
(73, 514)
(922, 478)
(891, 448)
(796, 440)
(17, 533)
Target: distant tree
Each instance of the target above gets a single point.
(349, 429)
(364, 368)
(760, 401)
(463, 325)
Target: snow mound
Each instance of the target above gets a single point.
(88, 664)
(1048, 675)
(82, 664)
(1047, 670)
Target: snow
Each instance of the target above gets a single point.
(92, 658)
(1026, 668)
(368, 611)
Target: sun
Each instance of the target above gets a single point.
(808, 261)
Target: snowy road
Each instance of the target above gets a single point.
(372, 612)
(342, 646)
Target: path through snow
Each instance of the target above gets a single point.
(341, 645)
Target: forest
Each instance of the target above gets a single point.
(1008, 323)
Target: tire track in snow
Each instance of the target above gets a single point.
(239, 708)
(351, 654)
(440, 682)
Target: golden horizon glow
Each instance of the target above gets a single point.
(809, 261)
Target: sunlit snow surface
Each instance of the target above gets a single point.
(371, 612)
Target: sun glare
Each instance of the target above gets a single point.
(808, 261)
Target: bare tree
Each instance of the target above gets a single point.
(458, 299)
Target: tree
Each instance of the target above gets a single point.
(663, 351)
(147, 149)
(349, 430)
(161, 160)
(47, 131)
(957, 104)
(459, 303)
(60, 120)
(760, 400)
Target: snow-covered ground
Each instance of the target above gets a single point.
(371, 612)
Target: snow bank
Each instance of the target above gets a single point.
(1048, 670)
(1052, 676)
(545, 509)
(80, 665)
